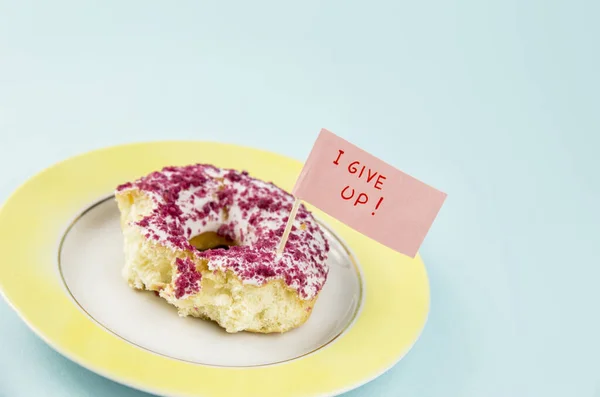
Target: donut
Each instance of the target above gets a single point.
(205, 238)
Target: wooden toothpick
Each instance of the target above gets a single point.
(288, 227)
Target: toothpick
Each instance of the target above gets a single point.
(288, 227)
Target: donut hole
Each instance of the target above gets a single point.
(211, 240)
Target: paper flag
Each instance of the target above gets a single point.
(367, 194)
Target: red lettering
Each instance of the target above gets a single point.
(379, 181)
(351, 195)
(336, 162)
(361, 172)
(352, 167)
(361, 196)
(370, 177)
(377, 206)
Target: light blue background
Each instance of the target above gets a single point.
(494, 102)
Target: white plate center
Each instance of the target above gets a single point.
(91, 259)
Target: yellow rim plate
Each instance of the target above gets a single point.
(33, 220)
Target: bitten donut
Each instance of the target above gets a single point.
(205, 239)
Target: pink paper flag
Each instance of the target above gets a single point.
(367, 194)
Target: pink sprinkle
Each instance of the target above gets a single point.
(188, 278)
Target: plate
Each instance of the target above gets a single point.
(62, 247)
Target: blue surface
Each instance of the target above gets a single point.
(494, 102)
